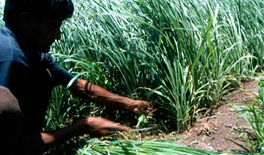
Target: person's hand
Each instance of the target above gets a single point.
(96, 126)
(140, 107)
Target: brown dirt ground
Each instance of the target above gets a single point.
(214, 133)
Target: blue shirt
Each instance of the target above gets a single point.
(30, 77)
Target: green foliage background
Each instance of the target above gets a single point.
(184, 55)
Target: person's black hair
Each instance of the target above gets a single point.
(40, 9)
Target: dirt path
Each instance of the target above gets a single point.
(214, 133)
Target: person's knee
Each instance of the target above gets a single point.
(10, 111)
(10, 116)
(8, 102)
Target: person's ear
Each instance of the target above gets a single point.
(26, 22)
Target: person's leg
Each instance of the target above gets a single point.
(10, 122)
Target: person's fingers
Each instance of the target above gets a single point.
(126, 128)
(149, 110)
(119, 128)
(141, 107)
(148, 107)
(143, 104)
(109, 130)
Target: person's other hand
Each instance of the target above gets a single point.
(97, 127)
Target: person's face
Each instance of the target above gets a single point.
(47, 31)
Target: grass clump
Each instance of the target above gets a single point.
(253, 113)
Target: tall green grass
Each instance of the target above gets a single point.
(1, 15)
(184, 54)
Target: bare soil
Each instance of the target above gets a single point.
(214, 133)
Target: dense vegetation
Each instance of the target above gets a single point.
(182, 55)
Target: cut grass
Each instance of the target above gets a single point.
(129, 147)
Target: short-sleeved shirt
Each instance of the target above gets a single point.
(30, 77)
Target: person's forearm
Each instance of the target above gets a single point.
(101, 95)
(90, 125)
(57, 137)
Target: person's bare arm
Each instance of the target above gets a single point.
(94, 126)
(101, 95)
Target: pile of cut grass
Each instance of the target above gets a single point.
(129, 147)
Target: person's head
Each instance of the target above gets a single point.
(37, 21)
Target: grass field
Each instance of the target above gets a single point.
(183, 55)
